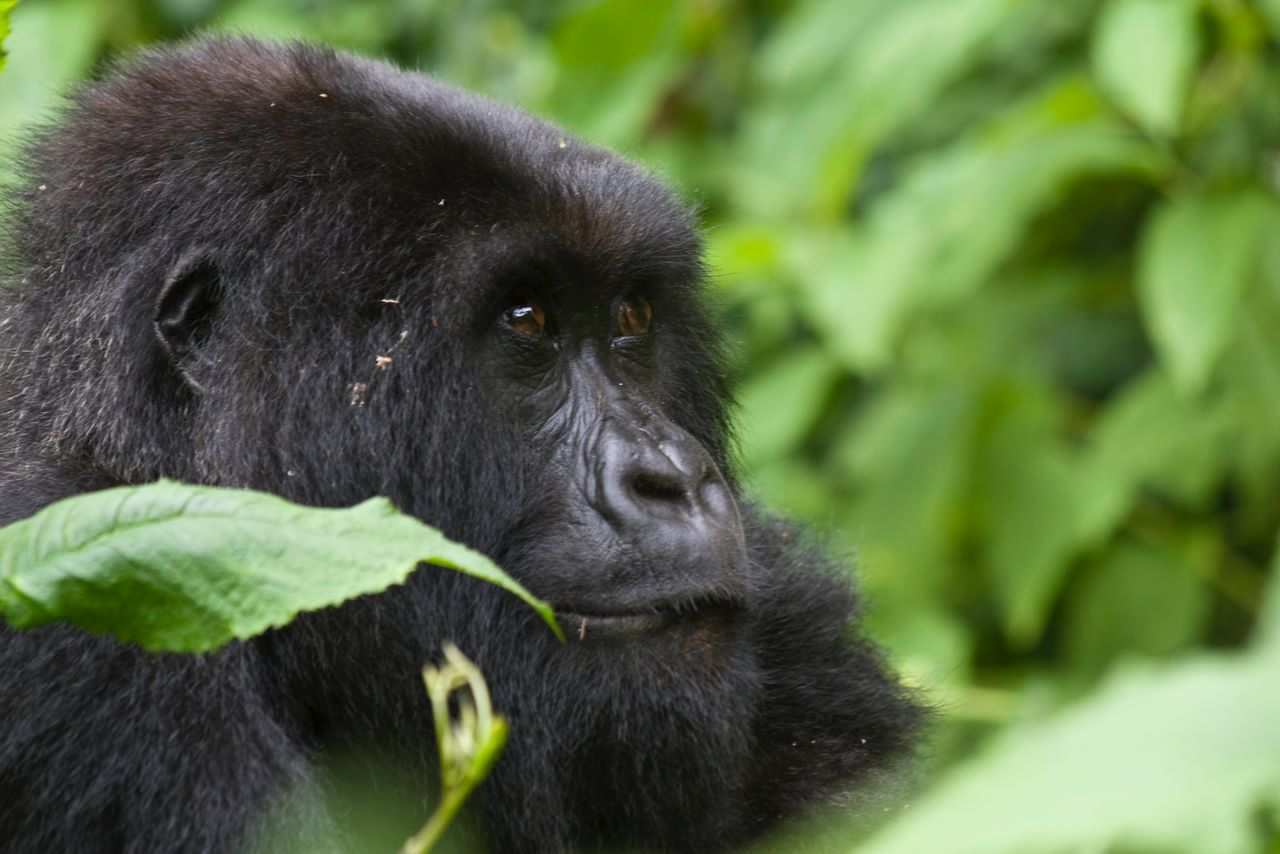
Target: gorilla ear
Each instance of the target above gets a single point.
(184, 316)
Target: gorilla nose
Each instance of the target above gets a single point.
(662, 491)
(667, 474)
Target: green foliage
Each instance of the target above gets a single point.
(187, 568)
(1004, 277)
(34, 74)
(1147, 763)
(6, 6)
(1197, 260)
(1144, 53)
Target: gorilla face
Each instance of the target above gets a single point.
(637, 493)
(298, 271)
(636, 537)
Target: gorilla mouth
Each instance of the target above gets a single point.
(583, 625)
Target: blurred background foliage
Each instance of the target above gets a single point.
(1003, 284)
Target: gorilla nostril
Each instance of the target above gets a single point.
(651, 486)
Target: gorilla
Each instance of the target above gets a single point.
(284, 268)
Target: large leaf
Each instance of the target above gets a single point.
(1197, 257)
(1173, 760)
(1141, 599)
(1144, 52)
(187, 568)
(1029, 488)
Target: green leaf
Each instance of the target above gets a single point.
(36, 75)
(839, 79)
(611, 35)
(1271, 8)
(909, 455)
(187, 568)
(1172, 760)
(1140, 600)
(792, 486)
(941, 234)
(1029, 492)
(742, 249)
(617, 58)
(1197, 257)
(929, 647)
(6, 6)
(1148, 436)
(1144, 53)
(782, 403)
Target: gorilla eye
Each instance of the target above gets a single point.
(527, 318)
(634, 316)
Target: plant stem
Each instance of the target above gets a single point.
(425, 839)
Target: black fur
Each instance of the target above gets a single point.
(206, 256)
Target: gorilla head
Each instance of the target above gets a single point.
(298, 271)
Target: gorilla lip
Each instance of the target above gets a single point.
(581, 626)
(587, 626)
